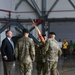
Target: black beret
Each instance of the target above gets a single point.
(43, 35)
(25, 31)
(52, 33)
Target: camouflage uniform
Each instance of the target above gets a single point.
(39, 57)
(25, 53)
(52, 51)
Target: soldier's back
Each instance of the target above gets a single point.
(24, 47)
(52, 53)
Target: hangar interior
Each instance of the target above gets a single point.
(51, 15)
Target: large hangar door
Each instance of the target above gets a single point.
(64, 30)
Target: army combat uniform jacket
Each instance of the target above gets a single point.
(25, 49)
(52, 51)
(25, 53)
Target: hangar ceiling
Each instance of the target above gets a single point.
(23, 9)
(52, 8)
(46, 10)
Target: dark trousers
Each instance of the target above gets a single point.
(65, 52)
(40, 68)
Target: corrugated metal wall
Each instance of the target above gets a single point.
(64, 30)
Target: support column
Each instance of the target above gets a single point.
(9, 18)
(48, 28)
(43, 15)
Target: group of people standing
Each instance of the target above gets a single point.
(26, 52)
(67, 47)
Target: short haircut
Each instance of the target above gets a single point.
(7, 31)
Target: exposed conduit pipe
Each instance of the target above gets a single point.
(46, 11)
(33, 11)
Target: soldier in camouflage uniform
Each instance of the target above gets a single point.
(25, 53)
(39, 57)
(52, 51)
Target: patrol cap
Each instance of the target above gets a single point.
(43, 35)
(52, 33)
(25, 31)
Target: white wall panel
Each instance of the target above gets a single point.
(63, 5)
(60, 8)
(38, 2)
(24, 8)
(5, 4)
(49, 4)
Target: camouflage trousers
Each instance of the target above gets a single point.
(51, 68)
(25, 68)
(40, 68)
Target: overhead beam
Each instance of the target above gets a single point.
(18, 30)
(52, 7)
(6, 26)
(4, 20)
(18, 4)
(36, 7)
(72, 4)
(21, 27)
(32, 7)
(61, 20)
(29, 5)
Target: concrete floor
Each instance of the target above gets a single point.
(65, 67)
